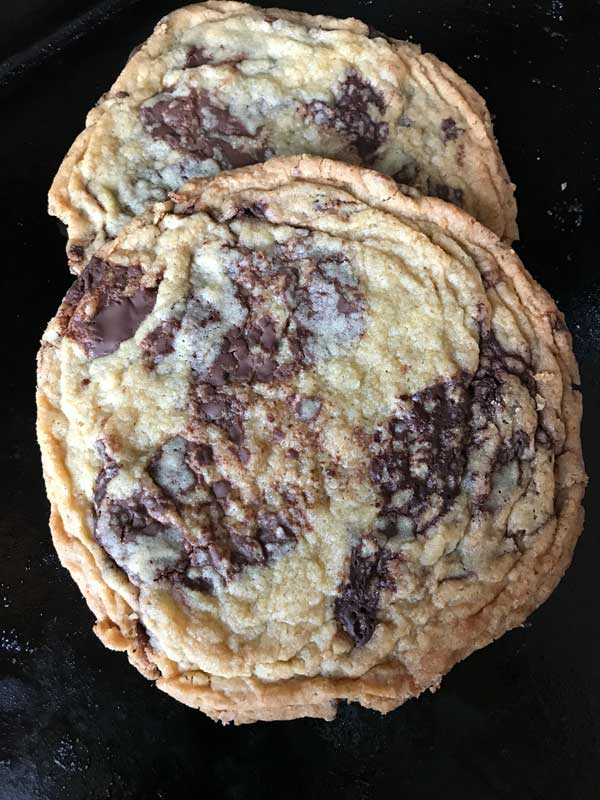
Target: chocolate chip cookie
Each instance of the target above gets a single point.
(221, 85)
(306, 439)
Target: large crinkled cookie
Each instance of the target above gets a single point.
(221, 85)
(308, 439)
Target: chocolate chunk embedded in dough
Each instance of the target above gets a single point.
(352, 115)
(420, 466)
(105, 306)
(159, 342)
(355, 607)
(199, 125)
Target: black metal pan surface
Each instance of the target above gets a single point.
(518, 720)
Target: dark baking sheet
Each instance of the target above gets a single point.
(520, 719)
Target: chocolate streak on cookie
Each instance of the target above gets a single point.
(419, 466)
(351, 115)
(420, 460)
(196, 124)
(226, 545)
(197, 57)
(105, 306)
(143, 534)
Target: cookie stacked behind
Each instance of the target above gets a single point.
(306, 439)
(220, 85)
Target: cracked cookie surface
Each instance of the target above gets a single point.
(308, 439)
(221, 85)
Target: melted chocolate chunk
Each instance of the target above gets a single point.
(323, 312)
(419, 462)
(229, 549)
(196, 124)
(244, 455)
(139, 535)
(105, 306)
(355, 607)
(143, 533)
(213, 410)
(351, 115)
(494, 364)
(491, 432)
(245, 551)
(497, 367)
(139, 517)
(236, 363)
(198, 456)
(159, 342)
(210, 404)
(258, 210)
(450, 130)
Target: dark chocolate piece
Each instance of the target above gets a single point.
(420, 468)
(351, 115)
(450, 130)
(196, 124)
(355, 607)
(221, 489)
(105, 306)
(124, 525)
(159, 342)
